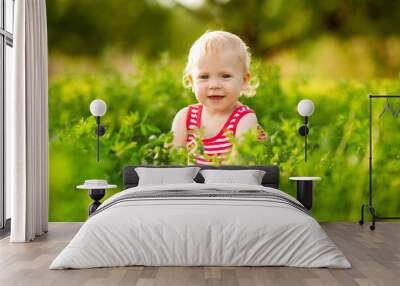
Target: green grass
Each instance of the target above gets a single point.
(141, 107)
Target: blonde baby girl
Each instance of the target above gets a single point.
(218, 72)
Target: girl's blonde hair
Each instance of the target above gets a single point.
(217, 41)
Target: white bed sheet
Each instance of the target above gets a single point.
(202, 232)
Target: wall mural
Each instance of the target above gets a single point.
(219, 82)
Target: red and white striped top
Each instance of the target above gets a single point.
(216, 148)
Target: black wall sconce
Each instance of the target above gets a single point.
(98, 108)
(305, 109)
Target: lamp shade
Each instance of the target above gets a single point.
(98, 107)
(305, 107)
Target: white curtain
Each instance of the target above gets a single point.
(27, 124)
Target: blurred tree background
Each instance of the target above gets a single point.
(132, 55)
(316, 38)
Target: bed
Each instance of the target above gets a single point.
(201, 223)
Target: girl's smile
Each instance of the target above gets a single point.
(216, 97)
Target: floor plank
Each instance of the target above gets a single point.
(374, 255)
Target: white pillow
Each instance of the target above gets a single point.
(164, 176)
(249, 177)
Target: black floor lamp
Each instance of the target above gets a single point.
(98, 108)
(305, 109)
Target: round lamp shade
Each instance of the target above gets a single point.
(98, 107)
(305, 107)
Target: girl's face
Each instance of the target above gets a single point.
(217, 79)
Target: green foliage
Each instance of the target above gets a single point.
(156, 25)
(142, 105)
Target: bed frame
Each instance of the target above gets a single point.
(270, 179)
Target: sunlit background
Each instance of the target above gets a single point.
(325, 39)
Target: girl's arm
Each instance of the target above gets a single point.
(247, 122)
(179, 128)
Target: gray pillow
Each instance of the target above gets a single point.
(166, 176)
(248, 177)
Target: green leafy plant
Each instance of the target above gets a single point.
(141, 107)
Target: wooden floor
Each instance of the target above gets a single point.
(374, 255)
